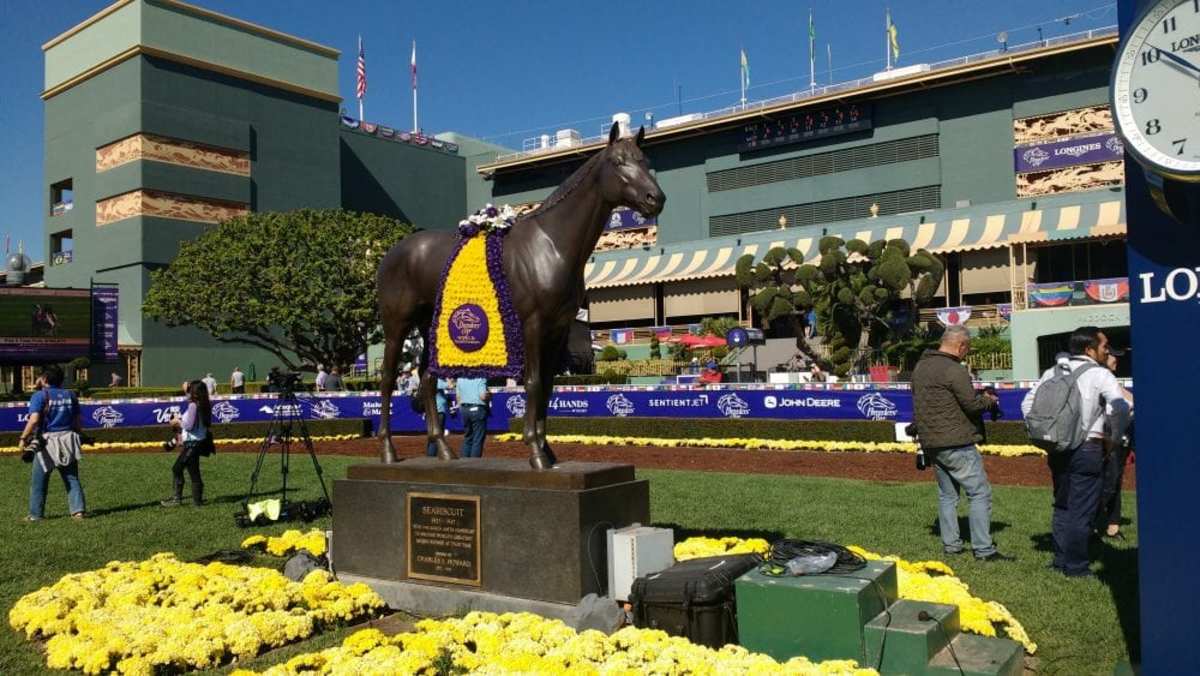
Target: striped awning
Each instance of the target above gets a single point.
(941, 231)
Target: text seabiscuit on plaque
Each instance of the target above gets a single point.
(443, 538)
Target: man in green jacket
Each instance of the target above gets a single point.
(948, 412)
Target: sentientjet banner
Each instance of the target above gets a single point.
(859, 404)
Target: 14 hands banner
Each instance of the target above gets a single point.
(860, 404)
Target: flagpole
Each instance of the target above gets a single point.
(829, 60)
(887, 36)
(416, 126)
(360, 75)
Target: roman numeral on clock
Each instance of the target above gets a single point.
(1168, 24)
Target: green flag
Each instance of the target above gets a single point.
(812, 38)
(893, 37)
(745, 70)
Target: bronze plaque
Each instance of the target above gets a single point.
(443, 538)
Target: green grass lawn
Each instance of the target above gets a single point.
(1081, 626)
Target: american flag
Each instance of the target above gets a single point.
(361, 90)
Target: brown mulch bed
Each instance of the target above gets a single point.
(1023, 471)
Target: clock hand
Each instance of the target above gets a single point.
(1179, 60)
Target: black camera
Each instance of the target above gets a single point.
(911, 430)
(994, 411)
(284, 381)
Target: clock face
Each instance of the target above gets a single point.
(1156, 89)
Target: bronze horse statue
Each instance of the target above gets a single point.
(544, 257)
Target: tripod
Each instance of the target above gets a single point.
(285, 414)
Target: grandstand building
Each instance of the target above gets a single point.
(163, 118)
(1005, 165)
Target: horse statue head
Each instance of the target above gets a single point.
(625, 179)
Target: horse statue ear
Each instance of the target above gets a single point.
(641, 135)
(614, 133)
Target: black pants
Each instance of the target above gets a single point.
(189, 459)
(1110, 497)
(1078, 481)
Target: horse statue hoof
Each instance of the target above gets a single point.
(540, 461)
(388, 453)
(445, 453)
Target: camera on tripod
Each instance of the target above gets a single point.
(283, 381)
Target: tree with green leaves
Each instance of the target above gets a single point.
(865, 295)
(299, 284)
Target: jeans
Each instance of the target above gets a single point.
(188, 459)
(1109, 512)
(1078, 477)
(41, 481)
(963, 468)
(474, 427)
(431, 447)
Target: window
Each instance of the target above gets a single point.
(62, 197)
(812, 213)
(61, 247)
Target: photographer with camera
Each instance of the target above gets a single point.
(196, 441)
(948, 414)
(51, 440)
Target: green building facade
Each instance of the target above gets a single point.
(163, 119)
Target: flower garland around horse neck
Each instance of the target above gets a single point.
(489, 219)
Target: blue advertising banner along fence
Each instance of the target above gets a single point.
(788, 404)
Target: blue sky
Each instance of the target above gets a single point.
(511, 70)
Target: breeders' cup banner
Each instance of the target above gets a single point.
(790, 404)
(1071, 152)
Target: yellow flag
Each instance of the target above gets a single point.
(745, 69)
(893, 38)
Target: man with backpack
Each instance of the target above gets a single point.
(1065, 414)
(948, 413)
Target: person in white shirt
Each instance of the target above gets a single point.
(322, 376)
(211, 383)
(1077, 474)
(237, 381)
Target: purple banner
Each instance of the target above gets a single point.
(623, 218)
(788, 403)
(1078, 150)
(104, 323)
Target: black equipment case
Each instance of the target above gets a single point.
(693, 599)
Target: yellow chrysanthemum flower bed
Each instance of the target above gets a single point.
(486, 643)
(157, 445)
(291, 541)
(145, 617)
(1003, 450)
(935, 582)
(699, 547)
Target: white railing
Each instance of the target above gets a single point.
(533, 146)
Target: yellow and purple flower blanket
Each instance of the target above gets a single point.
(476, 333)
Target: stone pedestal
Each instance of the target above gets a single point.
(482, 530)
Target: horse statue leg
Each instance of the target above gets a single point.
(536, 399)
(387, 384)
(434, 430)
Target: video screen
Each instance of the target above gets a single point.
(38, 325)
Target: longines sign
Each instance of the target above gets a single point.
(1180, 284)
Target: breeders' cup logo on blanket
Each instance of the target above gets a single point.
(108, 416)
(1114, 146)
(875, 406)
(468, 327)
(325, 410)
(516, 405)
(733, 406)
(619, 405)
(225, 412)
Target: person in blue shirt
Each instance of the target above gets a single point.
(54, 415)
(440, 395)
(473, 398)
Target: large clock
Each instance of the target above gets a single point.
(1156, 100)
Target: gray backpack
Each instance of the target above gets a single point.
(1056, 422)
